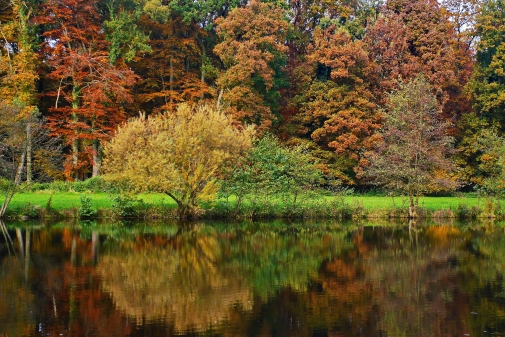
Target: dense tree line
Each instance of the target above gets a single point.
(317, 74)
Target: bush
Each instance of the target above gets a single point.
(86, 209)
(126, 206)
(94, 185)
(463, 212)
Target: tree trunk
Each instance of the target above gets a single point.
(171, 82)
(29, 152)
(97, 158)
(202, 69)
(412, 208)
(11, 190)
(75, 143)
(19, 173)
(75, 159)
(219, 99)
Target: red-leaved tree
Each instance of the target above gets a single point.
(89, 89)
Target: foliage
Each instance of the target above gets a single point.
(125, 206)
(412, 157)
(90, 86)
(312, 72)
(86, 209)
(337, 108)
(272, 171)
(252, 50)
(179, 154)
(492, 162)
(488, 81)
(414, 37)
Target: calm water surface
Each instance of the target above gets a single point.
(248, 279)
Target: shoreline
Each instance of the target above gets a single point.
(86, 205)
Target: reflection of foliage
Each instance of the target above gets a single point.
(272, 260)
(16, 304)
(413, 280)
(484, 270)
(248, 279)
(195, 278)
(180, 283)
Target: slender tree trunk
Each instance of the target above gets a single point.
(11, 190)
(171, 82)
(219, 99)
(97, 158)
(75, 158)
(19, 173)
(202, 69)
(412, 208)
(75, 143)
(29, 152)
(202, 79)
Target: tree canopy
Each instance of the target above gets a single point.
(313, 73)
(180, 154)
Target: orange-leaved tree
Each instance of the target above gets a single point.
(89, 89)
(18, 72)
(413, 37)
(253, 53)
(337, 107)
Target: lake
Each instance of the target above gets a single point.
(252, 279)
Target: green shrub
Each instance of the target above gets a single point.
(86, 209)
(96, 184)
(49, 209)
(31, 211)
(126, 206)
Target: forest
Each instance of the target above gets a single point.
(406, 95)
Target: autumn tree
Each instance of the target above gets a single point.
(413, 156)
(413, 37)
(18, 69)
(337, 108)
(88, 87)
(488, 81)
(253, 53)
(171, 74)
(179, 154)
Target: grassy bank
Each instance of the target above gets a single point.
(68, 200)
(39, 204)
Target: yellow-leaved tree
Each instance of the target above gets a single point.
(179, 154)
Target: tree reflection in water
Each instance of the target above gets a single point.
(200, 279)
(254, 280)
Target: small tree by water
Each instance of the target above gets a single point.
(413, 155)
(179, 154)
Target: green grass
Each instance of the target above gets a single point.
(67, 200)
(431, 203)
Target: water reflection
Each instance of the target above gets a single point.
(253, 280)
